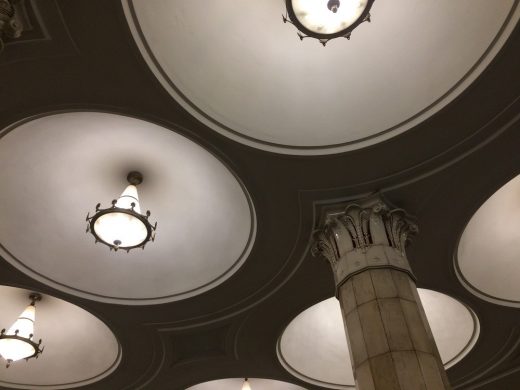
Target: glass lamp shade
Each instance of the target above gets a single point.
(316, 16)
(121, 229)
(16, 349)
(327, 19)
(246, 385)
(128, 197)
(122, 226)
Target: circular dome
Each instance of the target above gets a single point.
(55, 169)
(236, 384)
(257, 83)
(79, 348)
(487, 256)
(323, 359)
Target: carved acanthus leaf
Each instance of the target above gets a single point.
(9, 25)
(400, 227)
(364, 224)
(324, 246)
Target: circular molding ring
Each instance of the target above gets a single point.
(479, 293)
(486, 255)
(234, 133)
(211, 194)
(325, 317)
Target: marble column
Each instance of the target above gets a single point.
(390, 340)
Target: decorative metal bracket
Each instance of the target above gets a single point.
(323, 41)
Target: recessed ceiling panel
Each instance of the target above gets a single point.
(314, 347)
(236, 384)
(244, 73)
(79, 348)
(489, 250)
(56, 168)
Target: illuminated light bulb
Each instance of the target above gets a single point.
(246, 385)
(316, 15)
(324, 20)
(121, 229)
(17, 343)
(122, 226)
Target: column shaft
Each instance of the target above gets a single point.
(391, 344)
(390, 340)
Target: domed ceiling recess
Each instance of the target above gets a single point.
(236, 384)
(487, 260)
(56, 168)
(244, 73)
(79, 348)
(314, 348)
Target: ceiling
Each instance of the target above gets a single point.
(187, 189)
(81, 60)
(259, 85)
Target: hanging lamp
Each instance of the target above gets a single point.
(17, 342)
(122, 226)
(326, 19)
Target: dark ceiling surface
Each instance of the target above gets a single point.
(441, 171)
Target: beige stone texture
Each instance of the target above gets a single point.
(383, 373)
(364, 380)
(391, 344)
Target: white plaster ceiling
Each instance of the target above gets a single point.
(244, 73)
(314, 348)
(56, 168)
(79, 348)
(236, 384)
(489, 249)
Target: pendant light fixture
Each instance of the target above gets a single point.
(17, 342)
(245, 385)
(326, 19)
(122, 226)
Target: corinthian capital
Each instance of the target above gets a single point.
(368, 233)
(9, 26)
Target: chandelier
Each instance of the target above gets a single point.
(122, 226)
(17, 343)
(326, 19)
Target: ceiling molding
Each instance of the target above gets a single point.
(484, 373)
(90, 292)
(237, 135)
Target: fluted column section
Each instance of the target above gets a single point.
(390, 340)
